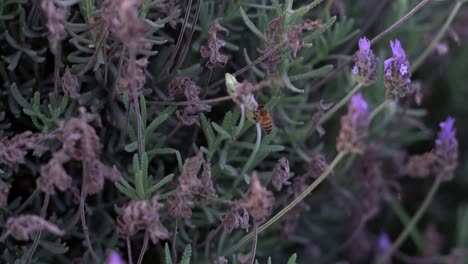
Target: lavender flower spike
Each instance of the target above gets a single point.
(446, 150)
(115, 258)
(365, 67)
(354, 126)
(397, 74)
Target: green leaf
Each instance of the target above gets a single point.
(292, 259)
(125, 188)
(220, 130)
(303, 10)
(207, 130)
(165, 151)
(144, 169)
(154, 124)
(167, 253)
(288, 84)
(250, 24)
(131, 147)
(312, 74)
(187, 254)
(54, 247)
(161, 183)
(19, 97)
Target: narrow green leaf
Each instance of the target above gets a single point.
(250, 24)
(19, 97)
(207, 130)
(288, 84)
(220, 130)
(167, 253)
(130, 193)
(303, 10)
(153, 125)
(144, 169)
(186, 255)
(165, 151)
(54, 247)
(131, 147)
(161, 183)
(292, 259)
(312, 74)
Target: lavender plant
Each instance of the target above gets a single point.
(181, 131)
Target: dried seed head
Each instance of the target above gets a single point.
(446, 150)
(316, 118)
(259, 201)
(190, 114)
(299, 186)
(212, 51)
(180, 206)
(13, 150)
(397, 74)
(419, 166)
(316, 166)
(137, 79)
(128, 26)
(55, 15)
(280, 174)
(354, 126)
(294, 34)
(142, 215)
(3, 197)
(70, 84)
(271, 35)
(20, 227)
(184, 85)
(365, 67)
(233, 220)
(188, 181)
(206, 180)
(53, 174)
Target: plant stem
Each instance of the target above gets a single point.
(174, 240)
(208, 101)
(291, 205)
(129, 251)
(38, 236)
(241, 121)
(27, 202)
(143, 248)
(254, 244)
(378, 109)
(437, 38)
(340, 104)
(136, 103)
(253, 154)
(404, 234)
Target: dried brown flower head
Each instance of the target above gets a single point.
(142, 215)
(212, 51)
(206, 180)
(316, 166)
(259, 200)
(13, 150)
(271, 35)
(55, 15)
(128, 26)
(233, 220)
(180, 206)
(20, 227)
(294, 34)
(70, 84)
(316, 118)
(280, 174)
(180, 84)
(137, 79)
(420, 165)
(3, 197)
(53, 174)
(354, 126)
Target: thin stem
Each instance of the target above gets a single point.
(143, 248)
(373, 41)
(174, 239)
(129, 250)
(438, 37)
(208, 101)
(119, 71)
(205, 88)
(136, 103)
(291, 205)
(254, 152)
(254, 244)
(38, 236)
(88, 65)
(57, 62)
(378, 109)
(241, 121)
(27, 202)
(412, 224)
(340, 104)
(83, 213)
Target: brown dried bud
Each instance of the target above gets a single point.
(70, 84)
(294, 34)
(233, 219)
(128, 26)
(280, 174)
(141, 215)
(133, 82)
(419, 166)
(180, 206)
(12, 151)
(299, 186)
(180, 84)
(53, 174)
(20, 227)
(316, 166)
(316, 118)
(3, 197)
(212, 51)
(207, 183)
(271, 34)
(354, 126)
(188, 181)
(259, 200)
(55, 17)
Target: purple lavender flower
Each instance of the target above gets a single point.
(114, 258)
(446, 150)
(364, 70)
(354, 126)
(383, 243)
(397, 74)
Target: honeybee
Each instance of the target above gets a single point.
(263, 116)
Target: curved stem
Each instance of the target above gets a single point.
(378, 109)
(38, 236)
(83, 213)
(254, 244)
(254, 152)
(27, 202)
(241, 121)
(208, 101)
(174, 240)
(129, 251)
(291, 205)
(340, 104)
(143, 248)
(437, 38)
(404, 234)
